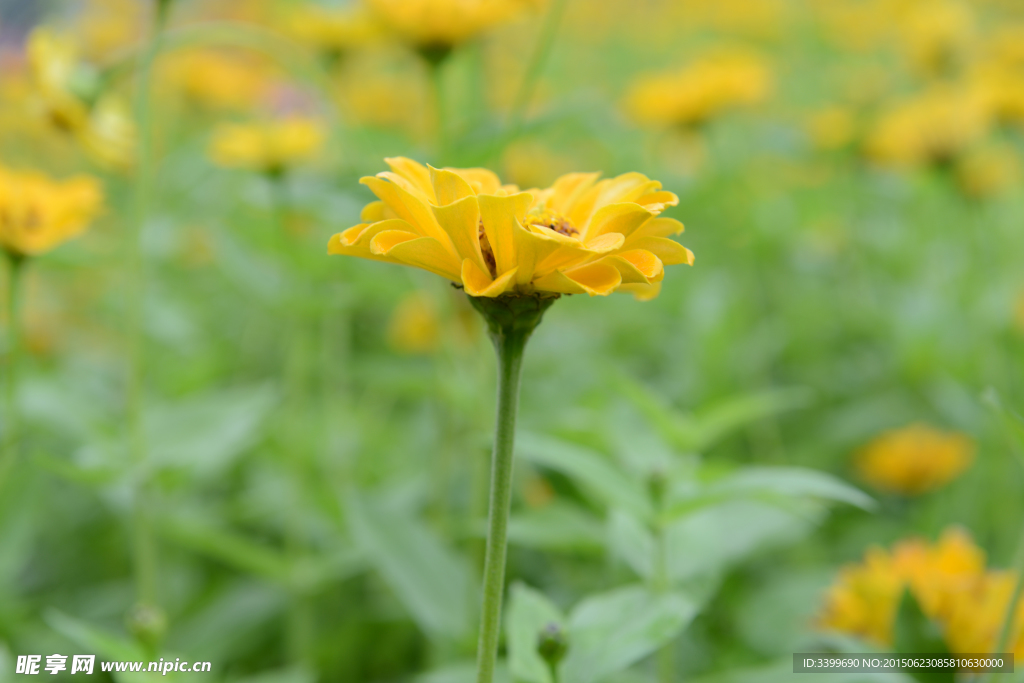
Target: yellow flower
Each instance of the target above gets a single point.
(832, 127)
(37, 213)
(948, 579)
(934, 127)
(701, 91)
(938, 35)
(267, 147)
(915, 459)
(434, 27)
(217, 79)
(332, 33)
(1002, 87)
(988, 171)
(864, 599)
(581, 235)
(414, 325)
(68, 95)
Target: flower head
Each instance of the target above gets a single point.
(934, 127)
(217, 79)
(949, 581)
(332, 33)
(988, 171)
(437, 26)
(864, 599)
(581, 235)
(267, 147)
(915, 459)
(68, 94)
(37, 213)
(701, 91)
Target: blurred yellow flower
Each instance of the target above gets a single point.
(914, 459)
(38, 213)
(270, 147)
(832, 127)
(938, 35)
(434, 27)
(581, 235)
(933, 127)
(1003, 89)
(948, 579)
(702, 90)
(105, 26)
(415, 327)
(68, 94)
(865, 597)
(332, 33)
(217, 79)
(988, 171)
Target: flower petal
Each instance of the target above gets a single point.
(356, 240)
(373, 212)
(449, 186)
(570, 256)
(659, 227)
(598, 279)
(414, 172)
(461, 220)
(409, 208)
(499, 216)
(482, 180)
(533, 247)
(669, 251)
(637, 265)
(621, 218)
(478, 282)
(641, 291)
(412, 250)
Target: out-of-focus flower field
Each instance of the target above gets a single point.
(219, 442)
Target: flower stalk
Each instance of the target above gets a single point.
(15, 263)
(510, 322)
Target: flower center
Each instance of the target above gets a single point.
(553, 221)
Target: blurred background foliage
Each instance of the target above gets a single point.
(690, 469)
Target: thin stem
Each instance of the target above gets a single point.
(666, 654)
(436, 67)
(538, 60)
(509, 347)
(14, 271)
(145, 548)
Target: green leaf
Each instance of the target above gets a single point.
(773, 483)
(529, 612)
(715, 538)
(610, 632)
(591, 470)
(697, 432)
(200, 535)
(915, 633)
(430, 580)
(463, 672)
(104, 645)
(206, 433)
(631, 541)
(557, 526)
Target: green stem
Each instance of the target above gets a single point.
(146, 563)
(436, 67)
(538, 60)
(509, 346)
(14, 271)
